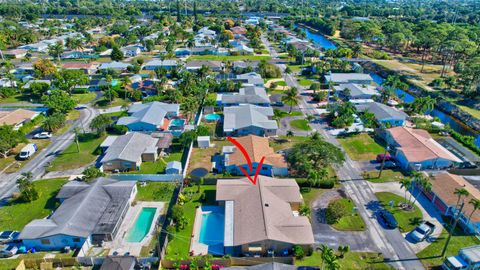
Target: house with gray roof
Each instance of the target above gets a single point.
(344, 78)
(251, 78)
(121, 263)
(150, 116)
(213, 65)
(385, 115)
(272, 222)
(356, 91)
(247, 95)
(89, 212)
(249, 119)
(114, 65)
(157, 63)
(127, 152)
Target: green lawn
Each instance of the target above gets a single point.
(12, 163)
(105, 103)
(361, 147)
(229, 57)
(300, 124)
(349, 222)
(281, 83)
(304, 82)
(430, 255)
(155, 191)
(116, 114)
(84, 98)
(387, 176)
(158, 166)
(351, 261)
(16, 214)
(179, 246)
(281, 114)
(296, 68)
(284, 142)
(407, 220)
(71, 159)
(20, 98)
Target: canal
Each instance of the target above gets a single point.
(459, 127)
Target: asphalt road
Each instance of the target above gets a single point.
(391, 242)
(38, 163)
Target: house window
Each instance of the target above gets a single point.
(45, 241)
(76, 240)
(264, 168)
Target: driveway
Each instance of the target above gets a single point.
(325, 234)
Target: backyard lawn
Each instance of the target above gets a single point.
(284, 142)
(361, 147)
(229, 57)
(155, 191)
(16, 214)
(351, 261)
(430, 256)
(387, 176)
(300, 124)
(179, 246)
(407, 220)
(350, 221)
(71, 159)
(158, 166)
(202, 158)
(281, 113)
(304, 82)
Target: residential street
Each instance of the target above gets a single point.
(390, 242)
(38, 163)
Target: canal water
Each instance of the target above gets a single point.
(323, 42)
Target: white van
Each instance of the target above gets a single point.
(28, 151)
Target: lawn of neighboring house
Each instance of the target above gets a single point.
(284, 142)
(158, 166)
(387, 176)
(281, 113)
(11, 164)
(84, 98)
(300, 124)
(407, 220)
(430, 256)
(304, 82)
(20, 98)
(105, 103)
(71, 159)
(202, 158)
(351, 261)
(179, 246)
(16, 214)
(361, 147)
(350, 221)
(229, 57)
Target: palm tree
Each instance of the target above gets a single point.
(55, 50)
(289, 133)
(125, 83)
(309, 117)
(420, 181)
(291, 98)
(460, 192)
(406, 184)
(476, 205)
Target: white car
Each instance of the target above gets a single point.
(42, 135)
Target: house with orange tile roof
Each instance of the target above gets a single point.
(256, 147)
(17, 117)
(415, 149)
(443, 197)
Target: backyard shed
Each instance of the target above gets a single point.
(203, 141)
(174, 167)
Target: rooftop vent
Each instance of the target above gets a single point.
(266, 205)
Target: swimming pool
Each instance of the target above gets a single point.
(211, 231)
(177, 123)
(142, 225)
(213, 117)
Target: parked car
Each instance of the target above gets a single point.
(387, 219)
(28, 151)
(43, 135)
(389, 165)
(386, 156)
(8, 236)
(8, 251)
(422, 231)
(466, 259)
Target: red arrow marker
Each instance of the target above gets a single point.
(249, 161)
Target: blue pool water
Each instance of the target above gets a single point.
(142, 225)
(212, 229)
(177, 123)
(213, 117)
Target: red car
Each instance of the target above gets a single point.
(387, 157)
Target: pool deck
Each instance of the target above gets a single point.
(197, 248)
(120, 243)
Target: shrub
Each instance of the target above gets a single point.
(298, 252)
(335, 211)
(327, 184)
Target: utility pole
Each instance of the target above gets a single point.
(450, 232)
(383, 161)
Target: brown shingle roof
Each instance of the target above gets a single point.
(256, 147)
(80, 65)
(444, 185)
(418, 145)
(15, 117)
(263, 211)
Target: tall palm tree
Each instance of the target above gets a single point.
(291, 98)
(125, 83)
(476, 205)
(421, 182)
(460, 192)
(406, 184)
